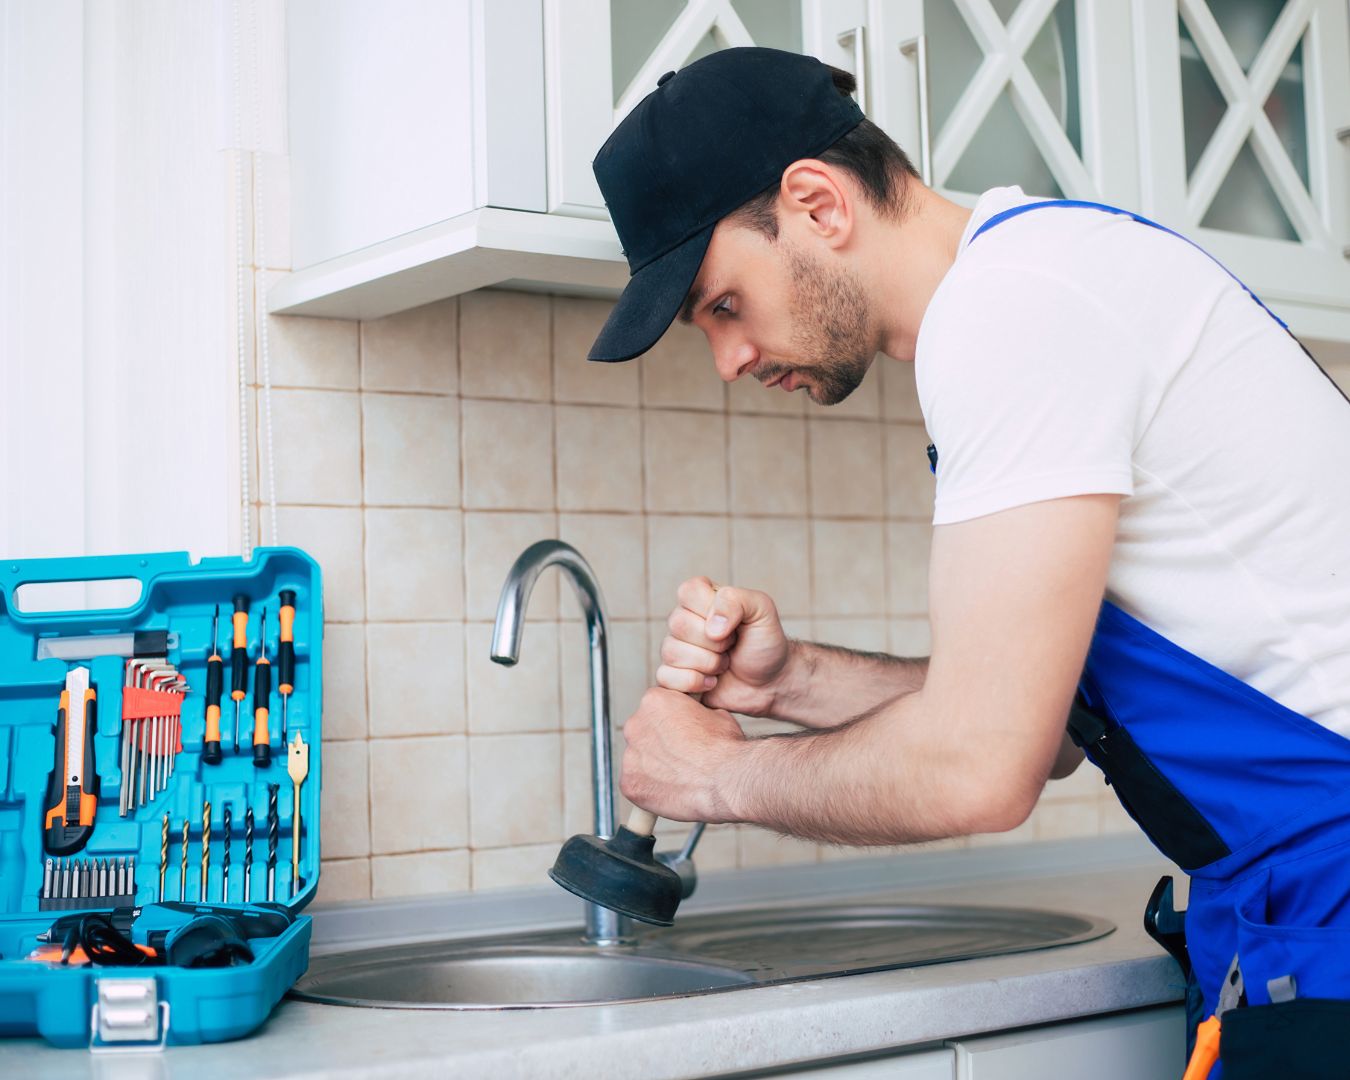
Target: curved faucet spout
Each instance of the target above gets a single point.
(602, 925)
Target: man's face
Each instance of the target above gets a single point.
(773, 310)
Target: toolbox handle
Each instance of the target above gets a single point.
(17, 572)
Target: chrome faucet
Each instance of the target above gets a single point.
(603, 927)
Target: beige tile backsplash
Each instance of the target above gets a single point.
(418, 455)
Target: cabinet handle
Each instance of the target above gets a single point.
(918, 46)
(857, 36)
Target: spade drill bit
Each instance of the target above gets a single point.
(297, 765)
(248, 853)
(272, 828)
(225, 857)
(163, 854)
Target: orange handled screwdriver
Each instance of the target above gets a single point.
(286, 655)
(239, 661)
(215, 681)
(262, 691)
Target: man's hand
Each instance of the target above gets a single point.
(677, 755)
(727, 644)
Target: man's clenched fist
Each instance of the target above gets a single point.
(727, 644)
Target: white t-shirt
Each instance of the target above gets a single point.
(1070, 351)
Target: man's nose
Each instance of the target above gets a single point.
(734, 358)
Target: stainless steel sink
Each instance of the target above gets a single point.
(460, 976)
(700, 954)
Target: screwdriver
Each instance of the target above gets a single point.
(239, 661)
(215, 678)
(262, 691)
(286, 655)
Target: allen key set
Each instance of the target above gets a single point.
(152, 701)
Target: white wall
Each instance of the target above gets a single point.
(117, 342)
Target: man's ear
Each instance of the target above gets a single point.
(813, 190)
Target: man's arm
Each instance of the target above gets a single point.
(1014, 597)
(728, 644)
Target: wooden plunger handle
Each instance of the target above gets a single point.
(643, 822)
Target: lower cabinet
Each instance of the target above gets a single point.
(1142, 1045)
(919, 1065)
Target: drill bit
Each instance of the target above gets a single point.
(103, 877)
(248, 852)
(47, 880)
(163, 854)
(130, 890)
(225, 858)
(182, 866)
(272, 828)
(206, 844)
(297, 766)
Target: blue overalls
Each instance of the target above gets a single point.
(1252, 800)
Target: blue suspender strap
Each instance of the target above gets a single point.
(1082, 204)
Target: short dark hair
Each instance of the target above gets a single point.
(866, 153)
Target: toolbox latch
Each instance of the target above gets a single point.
(127, 1016)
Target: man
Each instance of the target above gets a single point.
(1142, 524)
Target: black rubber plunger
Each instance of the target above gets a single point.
(620, 873)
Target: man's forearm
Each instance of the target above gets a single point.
(826, 685)
(891, 776)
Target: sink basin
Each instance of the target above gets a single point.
(458, 976)
(700, 954)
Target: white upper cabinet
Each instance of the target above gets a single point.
(450, 147)
(1245, 113)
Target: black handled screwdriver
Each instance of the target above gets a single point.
(215, 681)
(286, 655)
(239, 661)
(262, 692)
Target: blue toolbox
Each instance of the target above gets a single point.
(159, 796)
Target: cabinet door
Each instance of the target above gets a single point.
(930, 1065)
(1027, 92)
(604, 56)
(1127, 1046)
(1243, 101)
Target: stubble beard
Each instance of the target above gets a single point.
(832, 337)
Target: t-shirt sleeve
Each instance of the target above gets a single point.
(1030, 392)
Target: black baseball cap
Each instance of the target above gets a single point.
(708, 139)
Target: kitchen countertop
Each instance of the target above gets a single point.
(754, 1028)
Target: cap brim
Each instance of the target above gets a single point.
(650, 301)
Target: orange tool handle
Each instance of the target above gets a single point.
(215, 679)
(1206, 1050)
(239, 654)
(286, 650)
(69, 818)
(262, 689)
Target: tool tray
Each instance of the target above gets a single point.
(174, 610)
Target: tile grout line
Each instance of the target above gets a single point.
(365, 618)
(467, 778)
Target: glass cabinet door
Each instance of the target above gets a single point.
(1244, 100)
(1017, 92)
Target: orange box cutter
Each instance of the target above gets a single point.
(72, 785)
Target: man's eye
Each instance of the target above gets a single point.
(723, 306)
